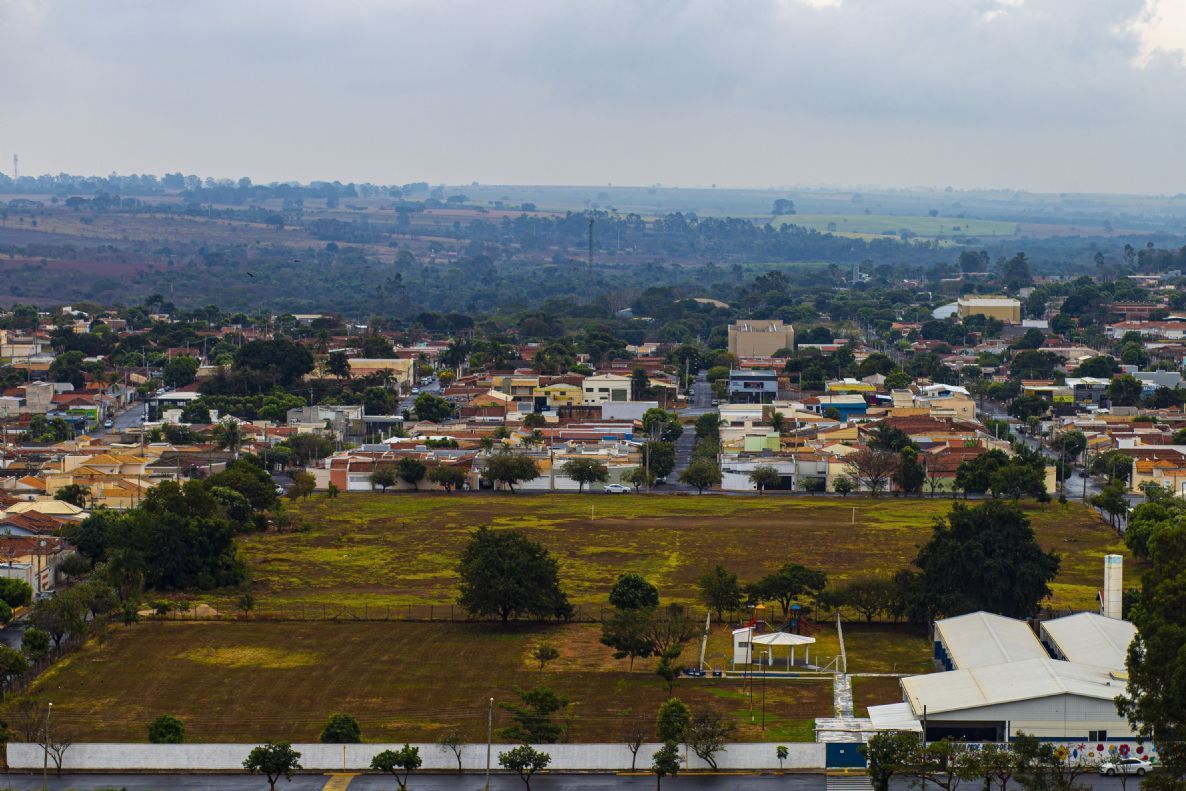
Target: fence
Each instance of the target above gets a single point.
(344, 757)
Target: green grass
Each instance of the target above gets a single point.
(381, 551)
(250, 681)
(878, 224)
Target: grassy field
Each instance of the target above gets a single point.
(378, 550)
(873, 225)
(403, 681)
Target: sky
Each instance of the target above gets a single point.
(1044, 95)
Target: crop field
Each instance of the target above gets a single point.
(874, 225)
(393, 550)
(247, 681)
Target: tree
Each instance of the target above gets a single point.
(638, 477)
(454, 741)
(73, 493)
(871, 467)
(842, 484)
(341, 729)
(411, 471)
(166, 729)
(1154, 700)
(511, 468)
(764, 477)
(404, 760)
(1015, 480)
(1124, 390)
(12, 663)
(629, 633)
(783, 206)
(544, 653)
(383, 477)
(180, 371)
(273, 761)
(640, 384)
(1040, 766)
(673, 720)
(662, 424)
(665, 762)
(633, 592)
(910, 475)
(505, 574)
(985, 558)
(659, 458)
(867, 595)
(585, 471)
(708, 732)
(35, 643)
(1069, 445)
(668, 668)
(338, 365)
(524, 761)
(787, 584)
(1099, 367)
(534, 722)
(447, 477)
(229, 435)
(719, 590)
(701, 473)
(432, 408)
(303, 485)
(1111, 500)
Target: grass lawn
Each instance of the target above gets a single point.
(376, 550)
(873, 225)
(248, 681)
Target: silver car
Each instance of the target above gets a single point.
(1125, 766)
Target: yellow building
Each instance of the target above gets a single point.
(760, 337)
(1005, 309)
(562, 394)
(403, 371)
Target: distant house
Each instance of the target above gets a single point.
(605, 387)
(754, 386)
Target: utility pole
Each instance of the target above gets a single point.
(489, 741)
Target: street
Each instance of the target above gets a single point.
(468, 782)
(419, 782)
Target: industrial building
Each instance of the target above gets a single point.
(1005, 309)
(1057, 679)
(760, 337)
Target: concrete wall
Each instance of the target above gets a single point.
(358, 756)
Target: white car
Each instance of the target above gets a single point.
(616, 488)
(1126, 766)
(108, 424)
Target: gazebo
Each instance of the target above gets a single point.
(768, 641)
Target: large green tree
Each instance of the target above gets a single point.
(505, 574)
(985, 558)
(1155, 698)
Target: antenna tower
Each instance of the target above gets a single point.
(16, 170)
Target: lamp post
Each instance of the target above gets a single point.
(489, 740)
(49, 709)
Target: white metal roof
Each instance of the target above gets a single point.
(980, 639)
(1091, 638)
(989, 301)
(957, 690)
(894, 717)
(783, 638)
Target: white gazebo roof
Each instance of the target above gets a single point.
(782, 638)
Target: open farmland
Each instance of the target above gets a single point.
(376, 550)
(874, 225)
(248, 681)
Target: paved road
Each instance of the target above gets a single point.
(406, 404)
(469, 782)
(420, 782)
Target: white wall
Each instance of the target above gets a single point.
(358, 756)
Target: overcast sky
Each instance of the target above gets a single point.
(1049, 95)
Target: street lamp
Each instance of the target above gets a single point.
(49, 709)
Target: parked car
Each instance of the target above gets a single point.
(616, 488)
(415, 391)
(1126, 766)
(108, 423)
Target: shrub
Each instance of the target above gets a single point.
(341, 729)
(166, 729)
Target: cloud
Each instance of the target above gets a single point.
(1161, 30)
(1029, 93)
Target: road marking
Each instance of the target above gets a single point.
(338, 781)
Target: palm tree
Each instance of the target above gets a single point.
(778, 422)
(228, 435)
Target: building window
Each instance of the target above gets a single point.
(1097, 736)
